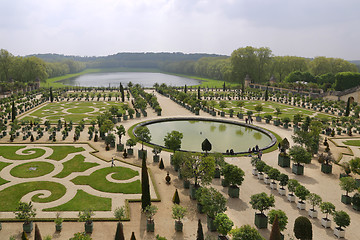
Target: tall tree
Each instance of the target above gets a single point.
(275, 230)
(200, 233)
(37, 233)
(13, 111)
(122, 93)
(119, 232)
(5, 65)
(145, 188)
(51, 95)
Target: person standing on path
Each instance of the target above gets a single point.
(112, 162)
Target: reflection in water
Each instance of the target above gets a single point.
(257, 136)
(222, 127)
(212, 128)
(239, 132)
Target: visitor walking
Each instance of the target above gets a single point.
(112, 162)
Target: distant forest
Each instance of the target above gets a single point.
(259, 63)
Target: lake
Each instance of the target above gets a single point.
(145, 79)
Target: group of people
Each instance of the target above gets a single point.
(255, 150)
(249, 120)
(230, 152)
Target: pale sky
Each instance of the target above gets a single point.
(306, 28)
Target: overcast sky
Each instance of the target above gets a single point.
(305, 28)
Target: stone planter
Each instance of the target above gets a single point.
(222, 114)
(156, 158)
(150, 226)
(325, 222)
(197, 112)
(258, 118)
(240, 115)
(267, 180)
(273, 185)
(234, 191)
(89, 227)
(326, 168)
(261, 220)
(346, 199)
(138, 115)
(282, 191)
(210, 224)
(260, 176)
(339, 233)
(313, 213)
(178, 226)
(356, 207)
(297, 169)
(28, 227)
(255, 172)
(224, 183)
(276, 123)
(283, 161)
(301, 205)
(291, 197)
(125, 117)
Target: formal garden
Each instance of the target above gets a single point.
(88, 156)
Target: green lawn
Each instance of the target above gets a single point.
(76, 164)
(10, 196)
(23, 170)
(98, 181)
(83, 201)
(2, 165)
(61, 152)
(355, 143)
(8, 152)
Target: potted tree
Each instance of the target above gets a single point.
(260, 165)
(282, 219)
(58, 222)
(348, 184)
(268, 118)
(240, 104)
(342, 219)
(274, 175)
(224, 225)
(283, 181)
(286, 121)
(119, 214)
(172, 141)
(234, 176)
(261, 202)
(292, 185)
(26, 212)
(120, 132)
(314, 200)
(213, 203)
(299, 155)
(150, 212)
(356, 201)
(85, 216)
(258, 108)
(326, 208)
(254, 160)
(130, 142)
(301, 192)
(326, 160)
(143, 135)
(178, 213)
(283, 157)
(156, 151)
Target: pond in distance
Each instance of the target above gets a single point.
(145, 79)
(222, 136)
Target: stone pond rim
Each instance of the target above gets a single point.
(262, 130)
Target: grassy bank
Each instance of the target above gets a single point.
(205, 82)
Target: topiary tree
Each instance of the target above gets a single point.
(303, 228)
(342, 219)
(327, 208)
(120, 132)
(301, 192)
(119, 235)
(200, 233)
(143, 134)
(281, 216)
(172, 140)
(275, 233)
(206, 146)
(284, 145)
(283, 180)
(130, 142)
(145, 187)
(246, 232)
(37, 233)
(161, 164)
(223, 223)
(262, 202)
(314, 200)
(274, 174)
(176, 198)
(292, 185)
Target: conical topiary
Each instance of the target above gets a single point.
(37, 233)
(176, 198)
(200, 234)
(24, 236)
(145, 187)
(161, 164)
(275, 230)
(132, 236)
(119, 232)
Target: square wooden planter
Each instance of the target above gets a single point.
(260, 176)
(267, 180)
(142, 153)
(313, 213)
(156, 158)
(297, 169)
(273, 185)
(261, 220)
(326, 168)
(326, 223)
(291, 197)
(234, 191)
(301, 205)
(346, 199)
(255, 172)
(130, 151)
(283, 161)
(339, 233)
(282, 191)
